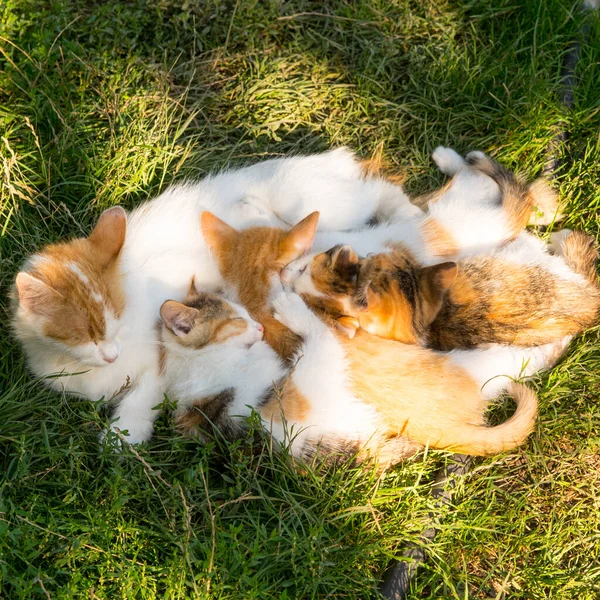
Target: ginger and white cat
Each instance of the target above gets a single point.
(86, 309)
(430, 398)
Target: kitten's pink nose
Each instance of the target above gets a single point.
(285, 276)
(109, 359)
(261, 328)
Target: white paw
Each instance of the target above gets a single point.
(290, 309)
(556, 241)
(448, 161)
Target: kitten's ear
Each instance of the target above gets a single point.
(345, 264)
(299, 239)
(372, 297)
(215, 232)
(34, 295)
(177, 317)
(108, 236)
(440, 276)
(435, 282)
(344, 257)
(368, 299)
(348, 325)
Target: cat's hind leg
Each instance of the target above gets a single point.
(448, 161)
(579, 251)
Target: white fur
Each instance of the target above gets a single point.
(469, 210)
(495, 366)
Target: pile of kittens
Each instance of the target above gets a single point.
(314, 292)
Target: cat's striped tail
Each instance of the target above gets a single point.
(518, 200)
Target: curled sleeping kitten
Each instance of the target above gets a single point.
(217, 366)
(430, 398)
(520, 294)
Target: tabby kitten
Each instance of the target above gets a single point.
(520, 294)
(430, 398)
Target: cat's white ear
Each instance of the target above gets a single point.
(215, 231)
(108, 236)
(178, 318)
(34, 295)
(299, 239)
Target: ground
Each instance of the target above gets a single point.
(105, 103)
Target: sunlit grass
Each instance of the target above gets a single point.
(108, 103)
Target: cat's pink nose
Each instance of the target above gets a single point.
(109, 359)
(261, 328)
(285, 276)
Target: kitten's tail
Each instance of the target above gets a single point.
(518, 200)
(482, 441)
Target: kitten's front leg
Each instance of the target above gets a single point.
(135, 414)
(290, 310)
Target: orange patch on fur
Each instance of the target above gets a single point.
(286, 402)
(438, 240)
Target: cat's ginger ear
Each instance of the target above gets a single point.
(215, 231)
(34, 295)
(299, 239)
(108, 236)
(349, 325)
(178, 318)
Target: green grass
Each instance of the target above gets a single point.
(108, 102)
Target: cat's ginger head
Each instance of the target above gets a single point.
(69, 297)
(247, 260)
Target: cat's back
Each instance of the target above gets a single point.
(404, 379)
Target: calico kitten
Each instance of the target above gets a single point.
(430, 398)
(85, 310)
(520, 294)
